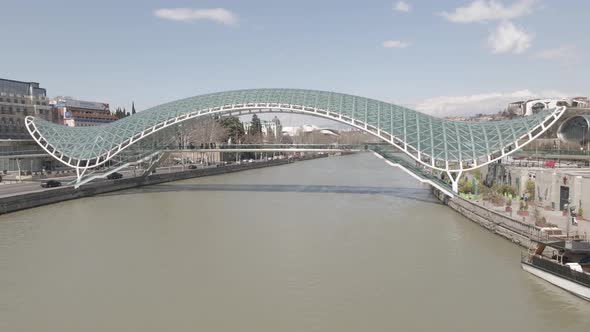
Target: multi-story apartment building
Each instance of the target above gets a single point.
(17, 100)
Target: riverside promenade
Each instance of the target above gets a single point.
(520, 230)
(552, 217)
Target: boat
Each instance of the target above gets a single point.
(561, 260)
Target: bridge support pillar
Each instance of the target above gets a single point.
(455, 180)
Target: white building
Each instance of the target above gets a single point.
(530, 107)
(581, 102)
(536, 105)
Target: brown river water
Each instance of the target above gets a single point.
(337, 244)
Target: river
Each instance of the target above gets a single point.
(337, 244)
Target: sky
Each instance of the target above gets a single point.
(455, 57)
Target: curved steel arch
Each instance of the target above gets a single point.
(451, 146)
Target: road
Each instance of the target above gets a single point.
(30, 186)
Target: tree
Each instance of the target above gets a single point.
(132, 107)
(119, 113)
(234, 129)
(200, 131)
(255, 130)
(255, 126)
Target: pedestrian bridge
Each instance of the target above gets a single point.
(444, 145)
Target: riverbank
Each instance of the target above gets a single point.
(505, 226)
(49, 196)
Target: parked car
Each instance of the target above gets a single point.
(192, 166)
(51, 184)
(114, 176)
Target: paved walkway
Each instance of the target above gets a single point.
(553, 217)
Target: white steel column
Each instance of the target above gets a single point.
(455, 180)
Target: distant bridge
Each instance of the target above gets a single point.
(275, 148)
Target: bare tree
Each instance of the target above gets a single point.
(201, 131)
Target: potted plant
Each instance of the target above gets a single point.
(523, 210)
(509, 205)
(580, 213)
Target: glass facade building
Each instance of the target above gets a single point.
(17, 101)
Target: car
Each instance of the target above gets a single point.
(192, 166)
(114, 176)
(51, 184)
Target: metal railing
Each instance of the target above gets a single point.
(212, 146)
(559, 269)
(423, 173)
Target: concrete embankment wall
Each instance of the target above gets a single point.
(44, 197)
(505, 226)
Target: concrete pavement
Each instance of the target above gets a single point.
(553, 217)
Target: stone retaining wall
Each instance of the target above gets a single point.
(505, 226)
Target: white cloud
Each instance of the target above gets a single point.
(484, 10)
(218, 15)
(565, 54)
(402, 6)
(486, 103)
(508, 38)
(395, 44)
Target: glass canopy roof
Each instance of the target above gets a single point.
(437, 138)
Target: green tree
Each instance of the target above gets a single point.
(132, 107)
(255, 126)
(254, 131)
(235, 129)
(119, 113)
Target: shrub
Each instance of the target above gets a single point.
(523, 206)
(505, 190)
(530, 189)
(465, 186)
(509, 202)
(476, 173)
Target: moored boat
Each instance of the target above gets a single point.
(567, 264)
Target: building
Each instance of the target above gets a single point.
(78, 113)
(536, 105)
(517, 108)
(581, 102)
(18, 100)
(270, 129)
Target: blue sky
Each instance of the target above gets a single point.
(442, 57)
